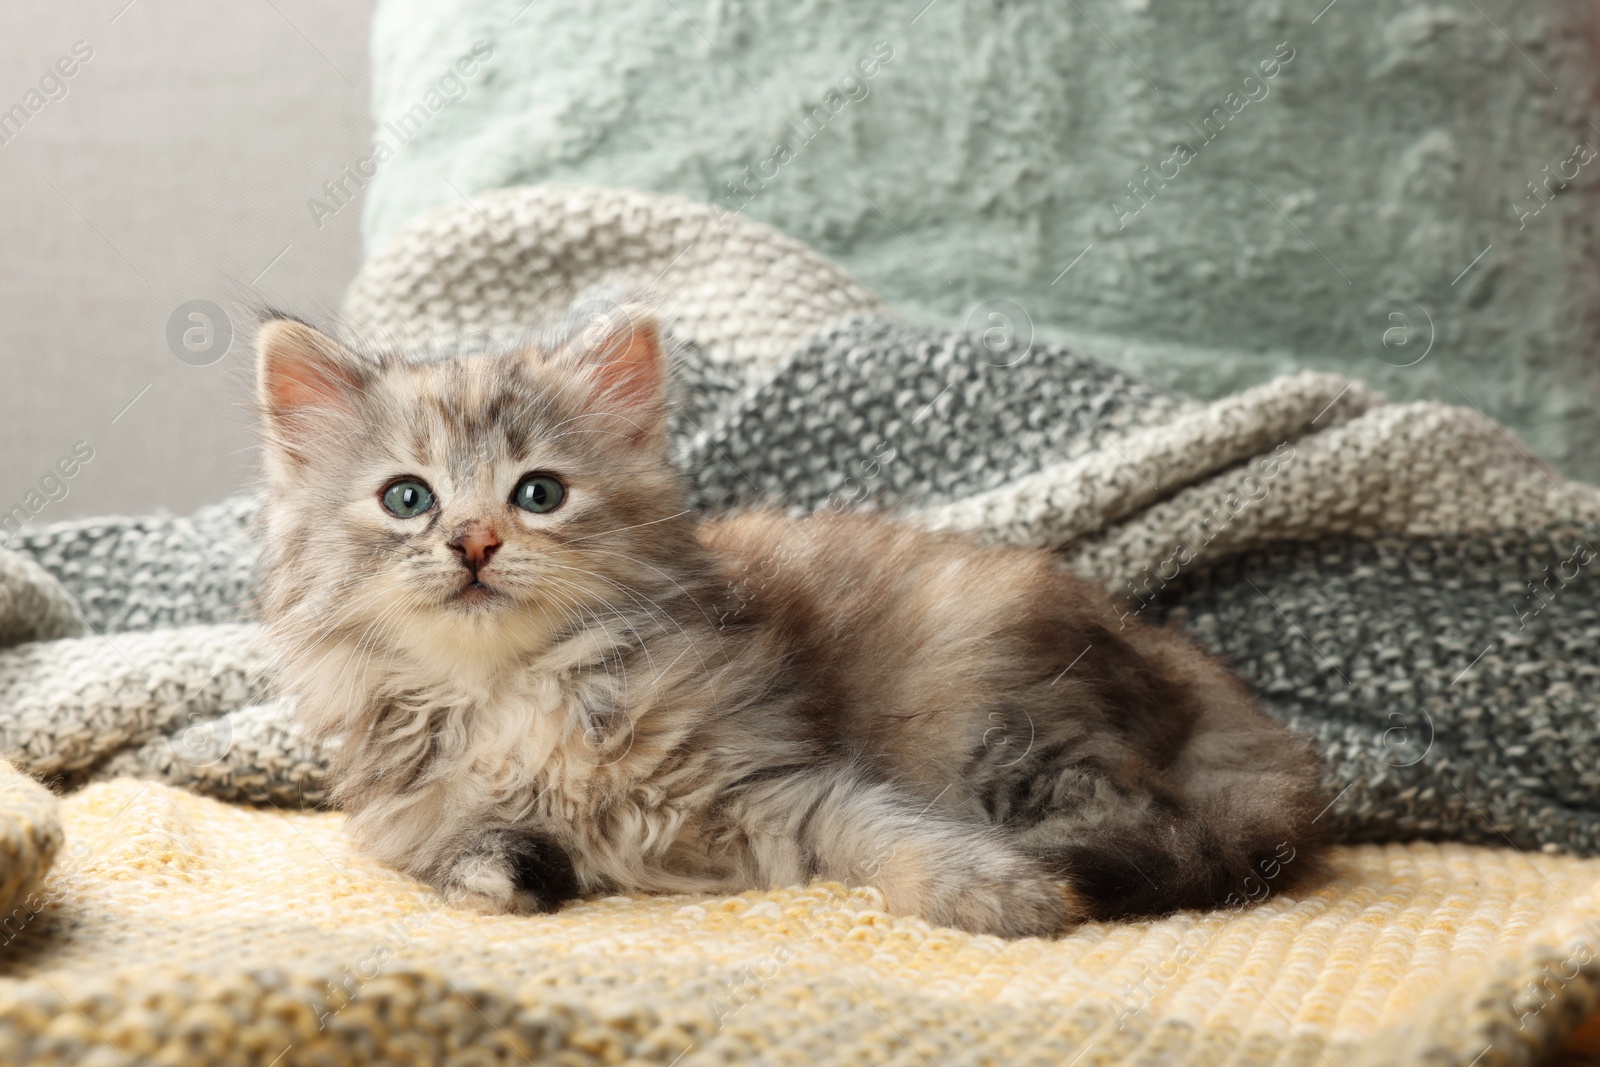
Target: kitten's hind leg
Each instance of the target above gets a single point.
(1255, 787)
(1229, 820)
(836, 825)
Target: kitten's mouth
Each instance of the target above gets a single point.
(474, 592)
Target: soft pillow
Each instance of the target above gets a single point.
(1209, 192)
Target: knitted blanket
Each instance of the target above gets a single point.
(180, 930)
(1405, 583)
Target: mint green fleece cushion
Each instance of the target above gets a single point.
(1207, 192)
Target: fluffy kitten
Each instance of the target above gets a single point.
(546, 678)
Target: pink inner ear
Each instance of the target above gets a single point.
(298, 382)
(301, 368)
(630, 365)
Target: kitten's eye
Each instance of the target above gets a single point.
(538, 493)
(407, 498)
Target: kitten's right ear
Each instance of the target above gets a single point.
(302, 373)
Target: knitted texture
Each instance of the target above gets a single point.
(151, 572)
(751, 293)
(30, 836)
(183, 931)
(33, 606)
(1365, 566)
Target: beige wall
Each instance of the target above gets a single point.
(176, 167)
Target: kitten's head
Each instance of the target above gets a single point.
(468, 507)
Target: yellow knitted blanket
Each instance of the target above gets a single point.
(176, 929)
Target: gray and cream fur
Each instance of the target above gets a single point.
(612, 695)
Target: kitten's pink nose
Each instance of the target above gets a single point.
(475, 543)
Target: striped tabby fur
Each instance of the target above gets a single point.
(625, 698)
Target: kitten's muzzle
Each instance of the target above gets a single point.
(474, 544)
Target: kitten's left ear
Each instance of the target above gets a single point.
(623, 353)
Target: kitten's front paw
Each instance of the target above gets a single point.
(492, 894)
(1032, 906)
(481, 903)
(993, 892)
(511, 873)
(481, 883)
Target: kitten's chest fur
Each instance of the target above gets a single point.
(543, 747)
(535, 738)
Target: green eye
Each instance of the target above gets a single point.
(407, 498)
(538, 493)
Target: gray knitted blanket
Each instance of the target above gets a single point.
(1404, 583)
